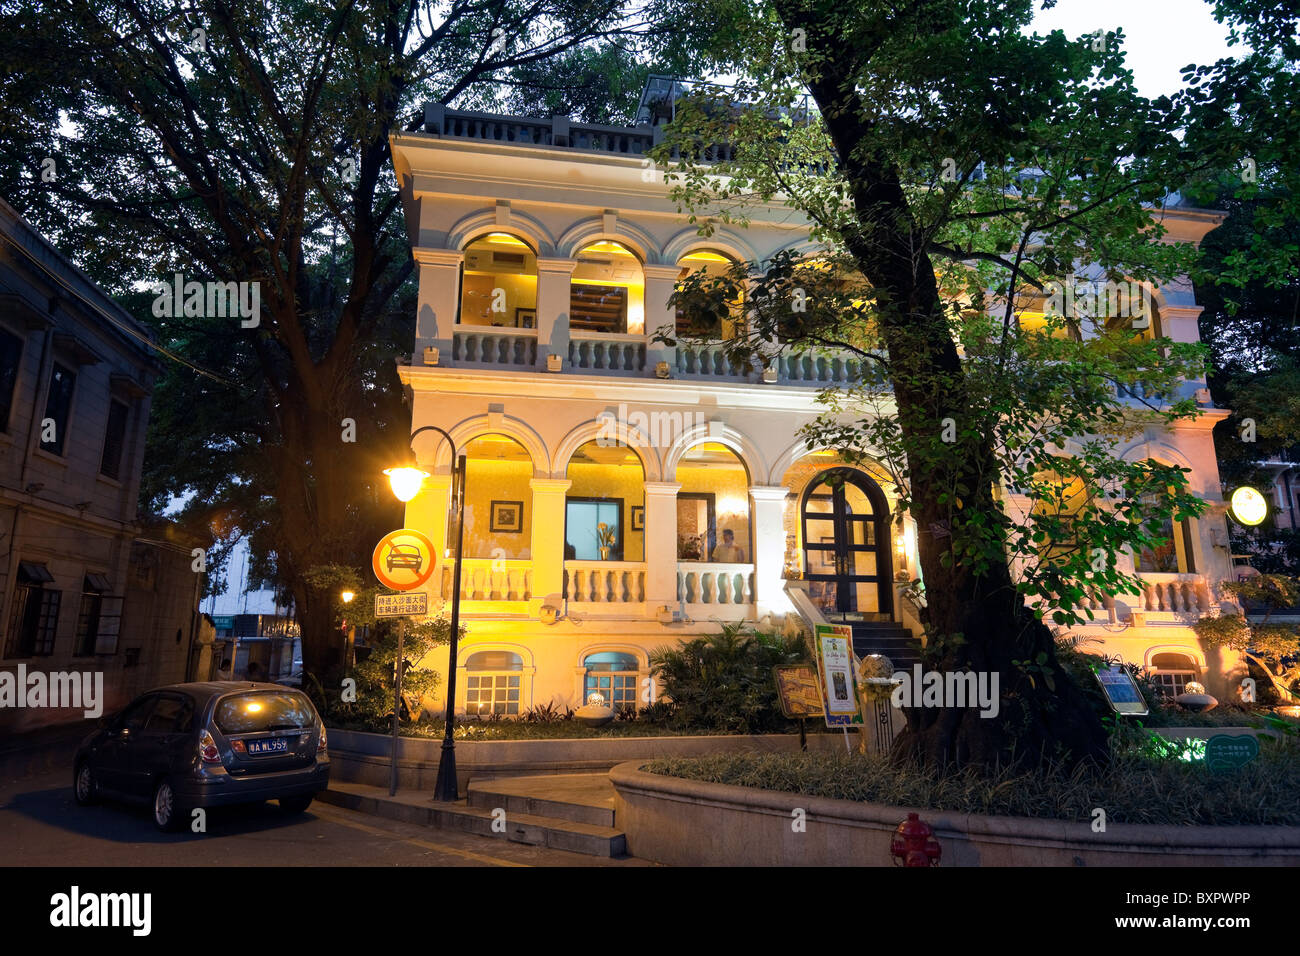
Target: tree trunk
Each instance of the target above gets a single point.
(974, 621)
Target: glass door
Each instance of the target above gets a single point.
(846, 546)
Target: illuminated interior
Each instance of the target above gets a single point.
(607, 292)
(499, 283)
(499, 499)
(714, 499)
(608, 484)
(718, 265)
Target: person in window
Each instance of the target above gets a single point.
(727, 552)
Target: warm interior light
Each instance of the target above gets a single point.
(505, 239)
(347, 596)
(405, 481)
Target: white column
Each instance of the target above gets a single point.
(767, 516)
(548, 535)
(661, 543)
(659, 282)
(439, 293)
(553, 279)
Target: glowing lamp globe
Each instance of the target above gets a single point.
(347, 596)
(405, 481)
(1248, 506)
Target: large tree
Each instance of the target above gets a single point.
(969, 172)
(250, 143)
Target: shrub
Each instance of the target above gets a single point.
(724, 681)
(374, 675)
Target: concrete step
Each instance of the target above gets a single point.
(581, 798)
(418, 807)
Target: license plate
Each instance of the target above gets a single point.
(276, 745)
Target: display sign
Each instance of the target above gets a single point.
(798, 691)
(404, 559)
(412, 604)
(834, 643)
(1121, 691)
(1249, 506)
(1225, 752)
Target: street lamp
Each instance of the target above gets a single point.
(347, 596)
(406, 481)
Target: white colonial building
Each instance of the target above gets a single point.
(547, 251)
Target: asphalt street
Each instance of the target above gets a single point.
(41, 825)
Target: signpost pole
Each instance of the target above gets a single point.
(446, 787)
(397, 703)
(803, 736)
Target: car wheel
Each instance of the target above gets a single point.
(85, 789)
(167, 812)
(295, 804)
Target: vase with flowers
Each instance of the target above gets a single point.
(604, 540)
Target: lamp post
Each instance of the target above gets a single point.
(405, 483)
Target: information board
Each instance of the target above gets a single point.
(409, 604)
(799, 692)
(834, 643)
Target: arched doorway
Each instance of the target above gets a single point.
(847, 559)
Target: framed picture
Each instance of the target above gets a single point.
(638, 517)
(827, 559)
(507, 517)
(525, 318)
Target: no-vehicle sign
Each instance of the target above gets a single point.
(404, 559)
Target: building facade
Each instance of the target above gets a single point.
(623, 494)
(84, 585)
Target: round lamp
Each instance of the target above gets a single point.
(405, 481)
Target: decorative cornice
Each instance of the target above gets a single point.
(437, 257)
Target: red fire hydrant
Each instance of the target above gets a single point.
(914, 843)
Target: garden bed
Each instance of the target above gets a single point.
(1133, 789)
(471, 729)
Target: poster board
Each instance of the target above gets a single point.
(835, 672)
(799, 691)
(1121, 691)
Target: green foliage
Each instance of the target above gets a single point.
(374, 675)
(1275, 644)
(724, 681)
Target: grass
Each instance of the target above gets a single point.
(1132, 789)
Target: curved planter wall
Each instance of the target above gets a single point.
(689, 823)
(359, 757)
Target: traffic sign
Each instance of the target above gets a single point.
(402, 605)
(403, 559)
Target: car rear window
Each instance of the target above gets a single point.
(263, 710)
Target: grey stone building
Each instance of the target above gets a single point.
(84, 586)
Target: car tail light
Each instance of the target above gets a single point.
(320, 747)
(208, 748)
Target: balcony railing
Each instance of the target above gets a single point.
(604, 582)
(557, 131)
(606, 352)
(708, 582)
(488, 346)
(1180, 593)
(489, 579)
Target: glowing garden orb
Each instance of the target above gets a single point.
(1249, 506)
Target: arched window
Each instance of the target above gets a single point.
(1172, 672)
(1173, 552)
(498, 498)
(607, 292)
(492, 683)
(499, 282)
(713, 506)
(613, 676)
(710, 314)
(608, 488)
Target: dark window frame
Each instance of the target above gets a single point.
(12, 348)
(65, 397)
(115, 434)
